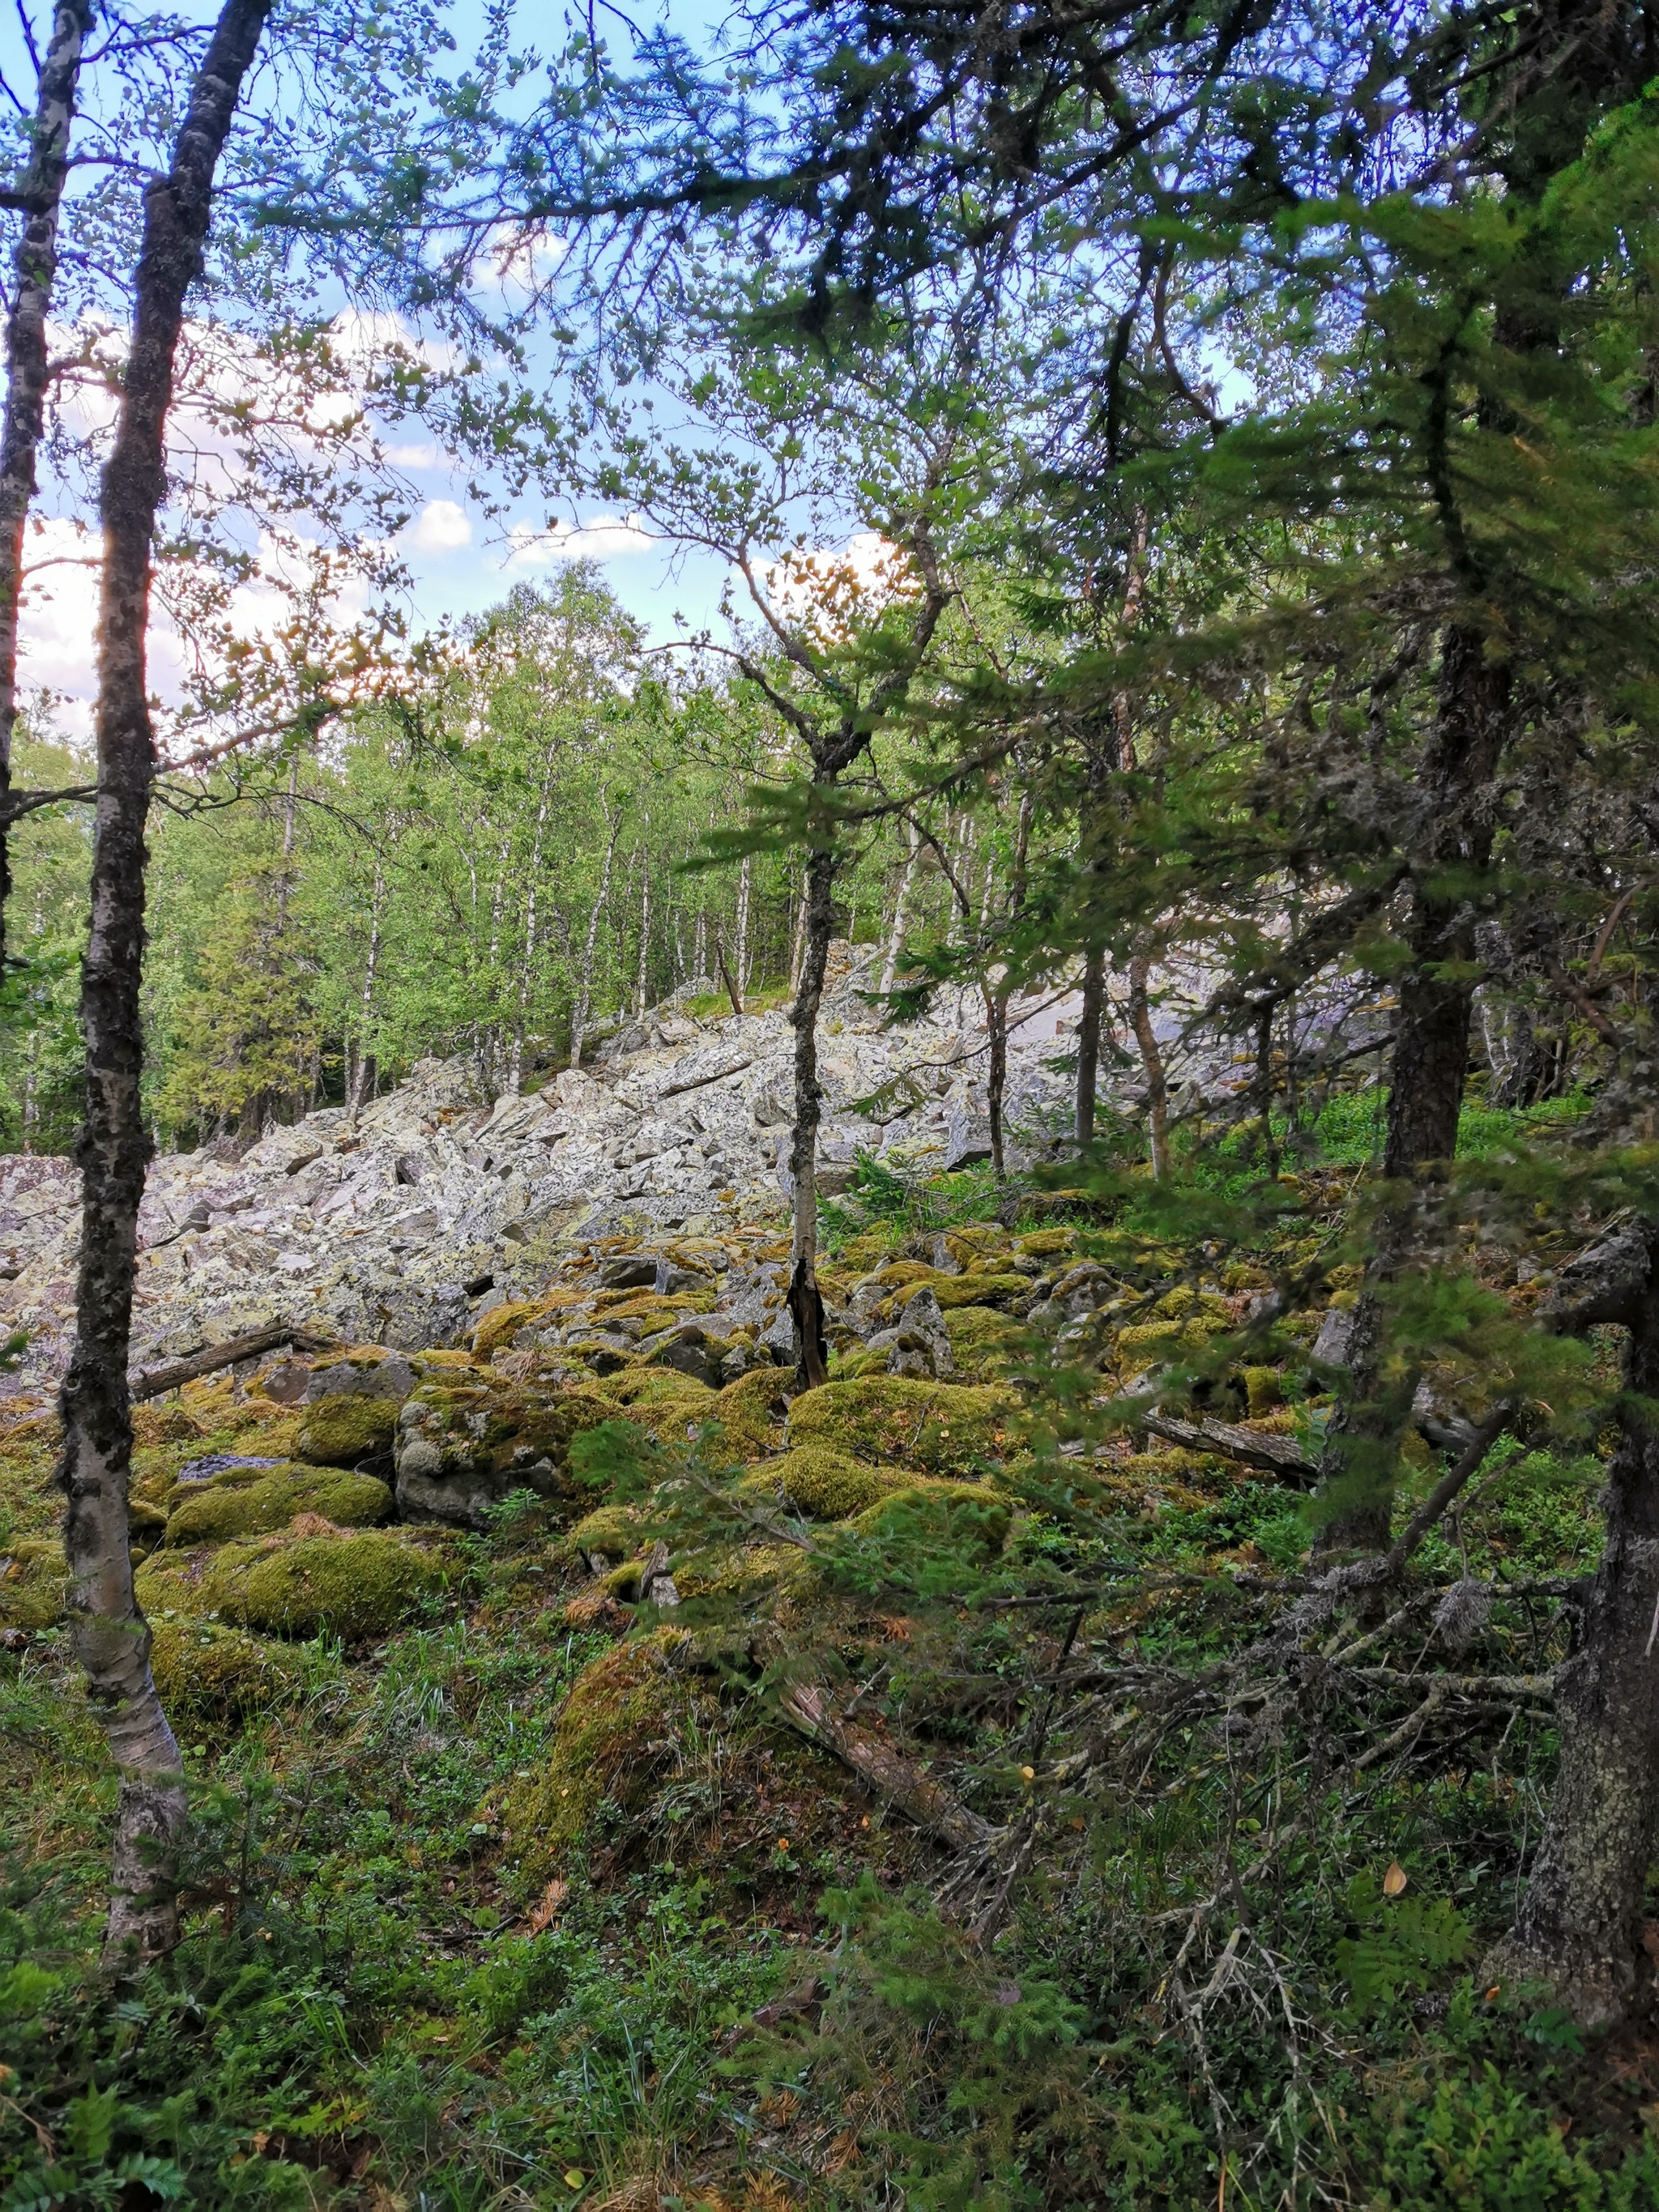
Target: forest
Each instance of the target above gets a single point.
(828, 1178)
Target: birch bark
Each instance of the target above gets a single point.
(111, 1636)
(35, 267)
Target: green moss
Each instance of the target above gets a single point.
(612, 1530)
(1263, 1389)
(964, 1514)
(224, 1508)
(751, 1410)
(207, 1671)
(826, 1485)
(945, 1428)
(1047, 1243)
(501, 1323)
(482, 1426)
(847, 1367)
(613, 1736)
(33, 1582)
(360, 1585)
(985, 1344)
(975, 1289)
(339, 1431)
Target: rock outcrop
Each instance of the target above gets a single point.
(408, 1226)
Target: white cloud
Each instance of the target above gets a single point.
(442, 527)
(517, 261)
(602, 539)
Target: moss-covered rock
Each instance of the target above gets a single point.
(33, 1582)
(613, 1736)
(502, 1323)
(751, 1410)
(610, 1532)
(340, 1431)
(825, 1485)
(944, 1428)
(1263, 1391)
(974, 1290)
(963, 1515)
(482, 1425)
(253, 1502)
(208, 1671)
(986, 1344)
(359, 1585)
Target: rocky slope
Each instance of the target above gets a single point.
(406, 1228)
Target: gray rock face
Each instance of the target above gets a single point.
(918, 1345)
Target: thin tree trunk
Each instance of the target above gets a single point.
(1088, 1047)
(645, 930)
(1427, 1070)
(515, 1072)
(900, 904)
(585, 981)
(365, 1067)
(799, 942)
(996, 1001)
(818, 910)
(740, 951)
(35, 266)
(1152, 1061)
(1579, 1925)
(111, 1639)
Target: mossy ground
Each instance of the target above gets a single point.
(257, 1502)
(480, 1912)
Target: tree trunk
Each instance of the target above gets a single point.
(805, 1305)
(645, 931)
(585, 982)
(1152, 1061)
(996, 1000)
(1429, 1065)
(35, 266)
(896, 935)
(365, 1067)
(740, 954)
(111, 1639)
(1088, 1047)
(1579, 1925)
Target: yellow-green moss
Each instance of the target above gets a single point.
(1047, 1243)
(847, 1366)
(225, 1508)
(207, 1671)
(33, 1582)
(658, 1312)
(969, 1512)
(825, 1483)
(609, 1742)
(1263, 1389)
(752, 1409)
(338, 1432)
(946, 1428)
(986, 1344)
(500, 1323)
(482, 1425)
(360, 1585)
(612, 1530)
(975, 1289)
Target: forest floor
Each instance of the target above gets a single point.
(752, 1820)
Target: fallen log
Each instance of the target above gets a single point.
(152, 1382)
(932, 1808)
(1279, 1455)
